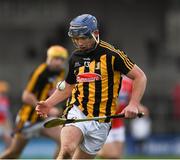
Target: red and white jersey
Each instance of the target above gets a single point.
(123, 100)
(4, 106)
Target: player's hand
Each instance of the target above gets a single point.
(130, 111)
(42, 109)
(143, 109)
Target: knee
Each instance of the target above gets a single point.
(67, 151)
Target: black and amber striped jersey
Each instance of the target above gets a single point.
(41, 84)
(43, 81)
(97, 78)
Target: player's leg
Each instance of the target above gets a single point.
(71, 137)
(80, 154)
(16, 147)
(94, 138)
(5, 135)
(7, 130)
(115, 141)
(53, 133)
(112, 150)
(7, 139)
(19, 139)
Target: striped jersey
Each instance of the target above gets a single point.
(97, 78)
(41, 84)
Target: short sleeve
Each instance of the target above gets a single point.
(71, 77)
(35, 79)
(123, 63)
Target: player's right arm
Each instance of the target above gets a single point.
(29, 98)
(58, 96)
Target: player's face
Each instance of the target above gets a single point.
(56, 64)
(84, 43)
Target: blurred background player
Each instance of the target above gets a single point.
(40, 86)
(5, 117)
(114, 145)
(140, 131)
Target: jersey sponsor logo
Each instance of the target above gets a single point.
(88, 77)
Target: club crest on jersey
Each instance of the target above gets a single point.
(88, 77)
(86, 63)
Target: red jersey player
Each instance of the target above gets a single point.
(116, 137)
(113, 147)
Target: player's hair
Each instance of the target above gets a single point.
(56, 51)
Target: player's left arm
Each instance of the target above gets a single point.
(127, 67)
(138, 86)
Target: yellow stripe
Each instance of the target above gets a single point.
(45, 91)
(127, 65)
(35, 76)
(34, 117)
(117, 77)
(120, 53)
(126, 58)
(129, 62)
(104, 89)
(131, 66)
(107, 44)
(110, 47)
(24, 112)
(80, 88)
(73, 96)
(91, 98)
(65, 112)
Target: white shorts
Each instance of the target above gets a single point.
(94, 133)
(116, 135)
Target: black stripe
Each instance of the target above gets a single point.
(68, 101)
(31, 113)
(98, 88)
(86, 93)
(65, 112)
(76, 96)
(41, 91)
(41, 81)
(120, 84)
(110, 85)
(77, 92)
